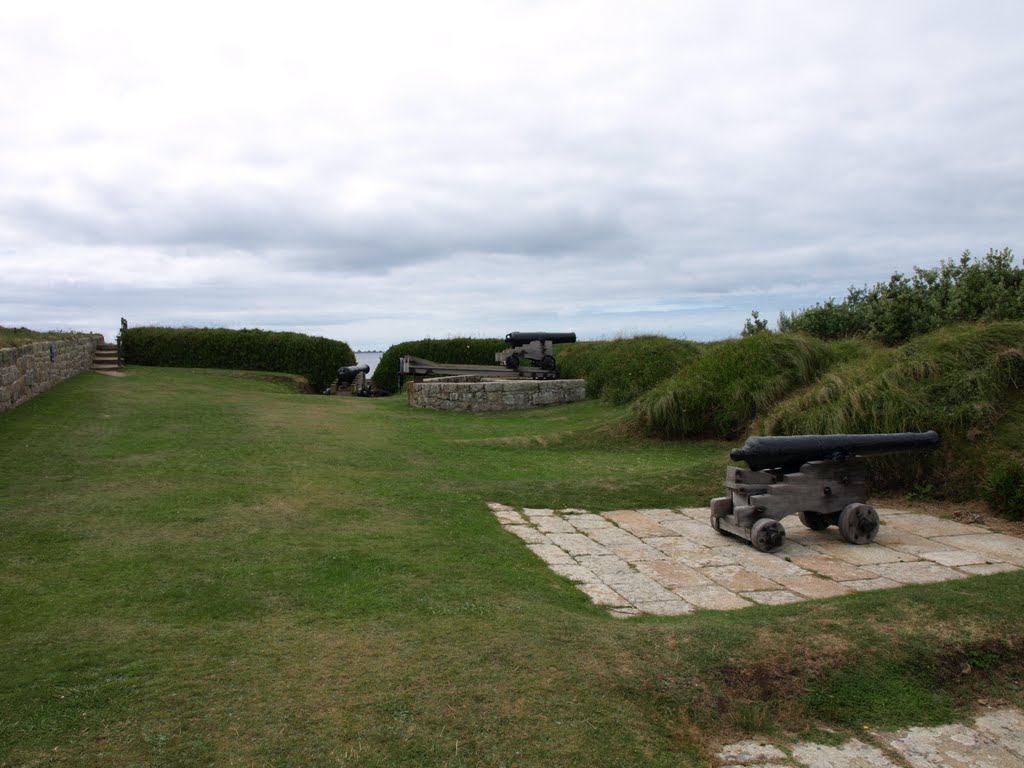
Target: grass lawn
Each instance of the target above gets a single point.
(204, 569)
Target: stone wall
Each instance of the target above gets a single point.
(474, 393)
(27, 371)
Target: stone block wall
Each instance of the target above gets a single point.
(474, 393)
(27, 371)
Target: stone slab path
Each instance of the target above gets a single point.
(995, 740)
(670, 562)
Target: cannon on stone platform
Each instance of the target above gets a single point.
(351, 380)
(820, 478)
(534, 346)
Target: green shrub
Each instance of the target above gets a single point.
(621, 370)
(733, 381)
(314, 357)
(1003, 489)
(754, 324)
(461, 350)
(904, 307)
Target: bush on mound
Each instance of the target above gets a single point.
(967, 290)
(452, 351)
(733, 381)
(314, 357)
(621, 370)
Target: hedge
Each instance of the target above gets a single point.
(314, 357)
(462, 350)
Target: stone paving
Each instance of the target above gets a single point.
(995, 740)
(670, 562)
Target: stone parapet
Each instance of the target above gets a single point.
(30, 370)
(475, 393)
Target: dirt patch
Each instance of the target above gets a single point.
(764, 678)
(516, 440)
(960, 511)
(987, 653)
(291, 380)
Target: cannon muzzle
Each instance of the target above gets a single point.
(788, 453)
(347, 373)
(520, 338)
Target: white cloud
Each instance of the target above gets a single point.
(391, 170)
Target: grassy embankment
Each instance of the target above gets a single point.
(20, 337)
(202, 569)
(964, 381)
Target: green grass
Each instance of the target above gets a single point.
(201, 569)
(20, 337)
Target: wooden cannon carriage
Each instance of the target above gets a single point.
(820, 478)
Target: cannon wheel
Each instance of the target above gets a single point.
(813, 520)
(547, 363)
(767, 535)
(858, 523)
(512, 361)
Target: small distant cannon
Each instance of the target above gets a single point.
(351, 380)
(535, 346)
(820, 478)
(347, 373)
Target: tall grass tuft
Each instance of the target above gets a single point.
(1003, 488)
(733, 381)
(621, 370)
(956, 380)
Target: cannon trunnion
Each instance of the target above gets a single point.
(820, 478)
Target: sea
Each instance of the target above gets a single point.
(370, 358)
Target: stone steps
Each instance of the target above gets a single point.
(105, 358)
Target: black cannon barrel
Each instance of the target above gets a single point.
(789, 452)
(347, 373)
(519, 338)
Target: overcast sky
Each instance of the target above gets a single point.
(377, 172)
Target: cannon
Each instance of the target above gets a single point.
(348, 373)
(820, 478)
(534, 346)
(351, 381)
